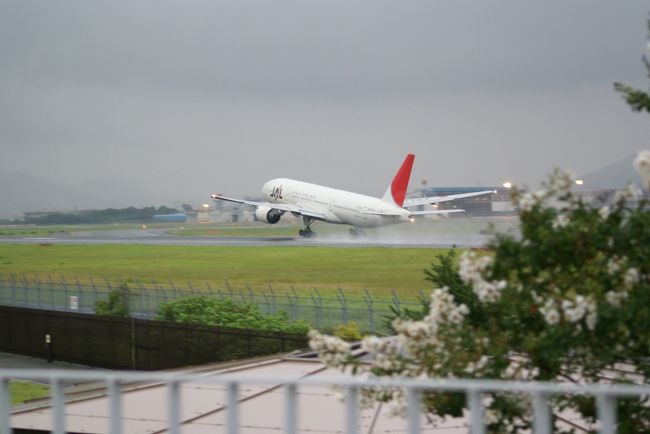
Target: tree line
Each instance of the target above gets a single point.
(108, 215)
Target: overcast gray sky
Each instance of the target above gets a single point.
(194, 97)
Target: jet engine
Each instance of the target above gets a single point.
(267, 214)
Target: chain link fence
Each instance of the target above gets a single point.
(321, 311)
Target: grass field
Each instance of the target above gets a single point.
(43, 231)
(22, 391)
(378, 269)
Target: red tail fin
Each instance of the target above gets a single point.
(396, 191)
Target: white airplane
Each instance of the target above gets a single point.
(315, 202)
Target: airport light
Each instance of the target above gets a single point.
(579, 181)
(507, 185)
(206, 206)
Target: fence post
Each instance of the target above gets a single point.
(344, 305)
(23, 281)
(191, 288)
(318, 306)
(294, 305)
(241, 295)
(174, 289)
(371, 311)
(80, 296)
(274, 304)
(14, 289)
(228, 288)
(38, 291)
(267, 303)
(142, 294)
(12, 279)
(2, 285)
(95, 294)
(50, 283)
(65, 293)
(396, 301)
(251, 295)
(292, 302)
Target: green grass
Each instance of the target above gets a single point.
(378, 269)
(47, 230)
(44, 231)
(22, 391)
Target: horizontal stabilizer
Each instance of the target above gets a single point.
(436, 211)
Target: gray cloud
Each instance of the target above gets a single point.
(187, 98)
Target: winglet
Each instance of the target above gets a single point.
(396, 191)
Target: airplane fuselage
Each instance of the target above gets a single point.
(339, 206)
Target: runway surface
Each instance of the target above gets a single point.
(159, 237)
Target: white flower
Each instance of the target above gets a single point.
(642, 167)
(491, 417)
(372, 344)
(604, 212)
(512, 370)
(579, 308)
(473, 367)
(471, 269)
(332, 350)
(591, 320)
(550, 313)
(630, 193)
(526, 202)
(631, 277)
(614, 264)
(615, 298)
(444, 309)
(560, 221)
(561, 181)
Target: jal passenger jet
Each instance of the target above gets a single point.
(319, 203)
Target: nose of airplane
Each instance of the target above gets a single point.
(266, 188)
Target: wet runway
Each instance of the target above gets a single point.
(159, 237)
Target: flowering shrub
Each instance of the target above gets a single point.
(566, 300)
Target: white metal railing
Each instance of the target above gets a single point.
(605, 395)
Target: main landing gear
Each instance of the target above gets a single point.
(357, 232)
(307, 232)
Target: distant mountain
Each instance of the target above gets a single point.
(21, 193)
(612, 176)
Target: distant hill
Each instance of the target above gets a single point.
(20, 192)
(612, 176)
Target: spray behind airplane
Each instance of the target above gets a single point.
(315, 202)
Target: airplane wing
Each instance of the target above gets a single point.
(437, 199)
(279, 206)
(415, 213)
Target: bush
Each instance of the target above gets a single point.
(348, 332)
(117, 303)
(567, 300)
(227, 313)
